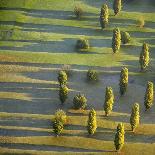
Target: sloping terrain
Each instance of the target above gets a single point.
(37, 38)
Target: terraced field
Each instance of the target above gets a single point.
(37, 38)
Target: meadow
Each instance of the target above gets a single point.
(37, 38)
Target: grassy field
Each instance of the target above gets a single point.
(37, 38)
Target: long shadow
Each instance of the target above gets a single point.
(56, 14)
(31, 27)
(48, 148)
(65, 46)
(26, 122)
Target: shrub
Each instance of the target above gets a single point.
(119, 137)
(141, 22)
(109, 100)
(134, 118)
(149, 96)
(62, 78)
(63, 93)
(61, 115)
(117, 6)
(92, 125)
(59, 121)
(92, 75)
(144, 58)
(125, 37)
(78, 11)
(104, 16)
(82, 44)
(123, 80)
(116, 40)
(80, 102)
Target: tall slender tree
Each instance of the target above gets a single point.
(149, 96)
(123, 80)
(119, 137)
(63, 93)
(116, 40)
(92, 124)
(109, 100)
(62, 78)
(117, 6)
(104, 16)
(134, 118)
(144, 58)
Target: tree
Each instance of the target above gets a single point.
(82, 43)
(59, 121)
(62, 78)
(63, 93)
(119, 137)
(92, 125)
(123, 80)
(78, 11)
(104, 16)
(117, 6)
(109, 100)
(80, 101)
(149, 96)
(144, 58)
(134, 118)
(57, 127)
(125, 37)
(116, 40)
(92, 75)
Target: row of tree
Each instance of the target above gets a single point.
(60, 119)
(104, 15)
(80, 101)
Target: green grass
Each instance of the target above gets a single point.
(30, 31)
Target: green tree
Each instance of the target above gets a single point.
(57, 127)
(63, 93)
(149, 96)
(92, 124)
(59, 122)
(82, 43)
(109, 100)
(125, 37)
(92, 75)
(78, 11)
(123, 80)
(144, 58)
(116, 40)
(117, 6)
(62, 78)
(104, 16)
(134, 118)
(80, 101)
(119, 137)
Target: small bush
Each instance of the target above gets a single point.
(78, 11)
(125, 37)
(141, 22)
(80, 102)
(61, 116)
(92, 75)
(82, 44)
